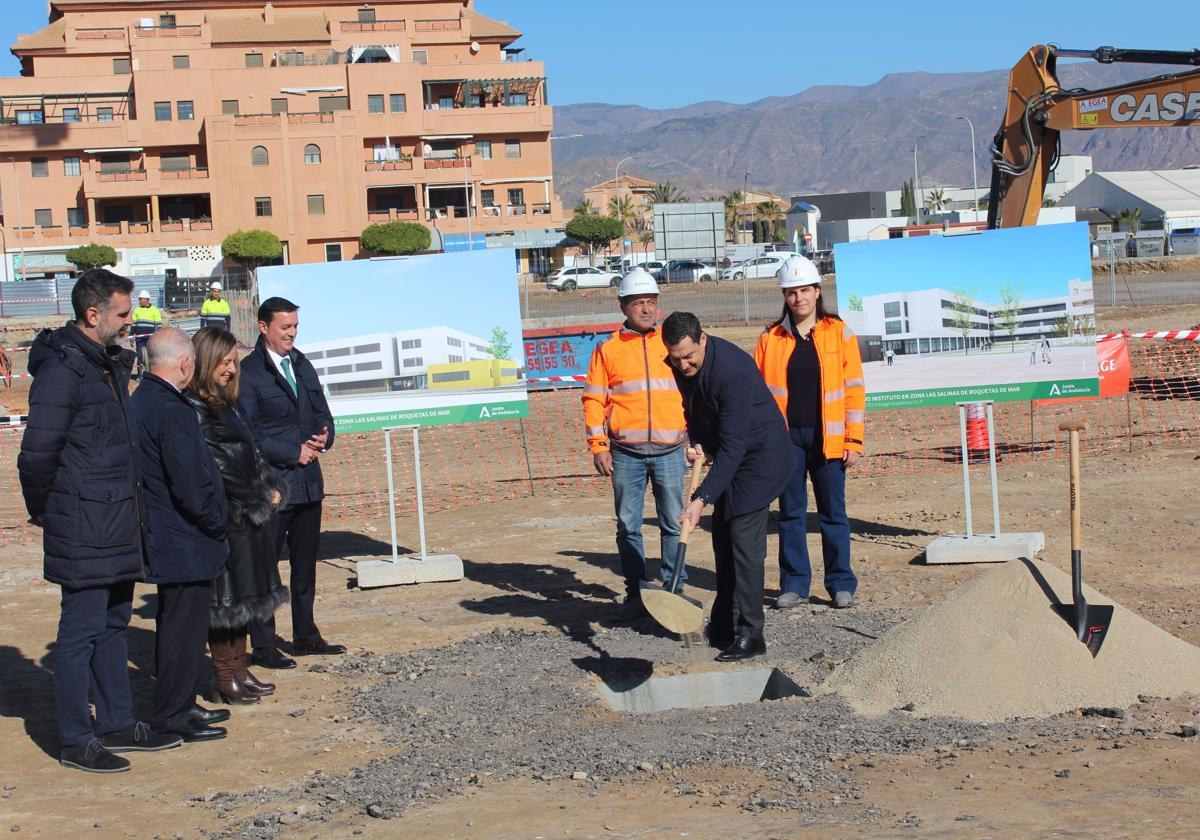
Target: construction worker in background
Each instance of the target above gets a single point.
(215, 312)
(147, 320)
(812, 365)
(635, 429)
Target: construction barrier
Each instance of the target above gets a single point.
(545, 454)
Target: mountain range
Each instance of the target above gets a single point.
(834, 138)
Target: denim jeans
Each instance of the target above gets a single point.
(630, 474)
(829, 488)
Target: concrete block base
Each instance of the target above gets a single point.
(434, 568)
(984, 549)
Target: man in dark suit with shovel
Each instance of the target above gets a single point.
(733, 420)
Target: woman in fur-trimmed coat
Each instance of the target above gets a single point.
(249, 588)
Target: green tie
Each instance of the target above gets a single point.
(287, 374)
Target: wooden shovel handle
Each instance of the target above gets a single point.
(1073, 430)
(693, 483)
(1072, 426)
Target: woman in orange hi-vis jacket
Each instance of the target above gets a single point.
(812, 365)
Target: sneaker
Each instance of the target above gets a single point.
(92, 757)
(788, 600)
(631, 610)
(139, 738)
(843, 600)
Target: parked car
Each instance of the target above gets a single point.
(581, 277)
(757, 268)
(685, 271)
(654, 266)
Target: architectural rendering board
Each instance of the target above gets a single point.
(415, 341)
(1001, 315)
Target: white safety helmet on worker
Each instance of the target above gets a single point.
(797, 271)
(216, 285)
(637, 281)
(143, 295)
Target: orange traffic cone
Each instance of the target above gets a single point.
(977, 431)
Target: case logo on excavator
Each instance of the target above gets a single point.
(1173, 107)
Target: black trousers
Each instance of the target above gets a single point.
(740, 551)
(182, 629)
(300, 528)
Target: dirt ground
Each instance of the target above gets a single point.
(550, 556)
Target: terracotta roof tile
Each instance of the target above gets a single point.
(487, 28)
(252, 29)
(53, 37)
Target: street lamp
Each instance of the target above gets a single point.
(20, 231)
(917, 178)
(617, 195)
(974, 169)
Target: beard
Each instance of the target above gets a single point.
(110, 339)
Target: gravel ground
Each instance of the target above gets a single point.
(515, 703)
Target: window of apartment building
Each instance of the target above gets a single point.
(516, 199)
(70, 115)
(487, 198)
(415, 361)
(39, 167)
(420, 56)
(279, 106)
(442, 149)
(474, 100)
(366, 15)
(445, 103)
(174, 161)
(312, 153)
(121, 67)
(115, 163)
(453, 342)
(181, 62)
(166, 21)
(375, 103)
(262, 207)
(30, 117)
(259, 156)
(512, 148)
(162, 111)
(329, 104)
(104, 114)
(333, 252)
(518, 99)
(43, 218)
(410, 343)
(254, 59)
(185, 110)
(71, 166)
(399, 103)
(229, 106)
(483, 148)
(316, 205)
(891, 309)
(75, 217)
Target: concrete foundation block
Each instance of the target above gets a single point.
(984, 549)
(405, 570)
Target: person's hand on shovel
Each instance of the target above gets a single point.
(691, 513)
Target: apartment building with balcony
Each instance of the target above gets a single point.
(160, 128)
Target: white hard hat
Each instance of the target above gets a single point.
(797, 271)
(143, 294)
(638, 281)
(215, 285)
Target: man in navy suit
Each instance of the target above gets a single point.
(732, 420)
(283, 398)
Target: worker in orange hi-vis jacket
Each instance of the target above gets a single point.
(812, 365)
(635, 430)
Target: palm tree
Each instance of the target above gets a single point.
(646, 237)
(620, 207)
(667, 193)
(733, 203)
(936, 200)
(584, 207)
(1130, 219)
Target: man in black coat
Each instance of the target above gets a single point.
(80, 485)
(734, 421)
(283, 399)
(186, 521)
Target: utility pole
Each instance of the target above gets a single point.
(617, 196)
(974, 169)
(916, 179)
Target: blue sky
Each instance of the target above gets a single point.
(1040, 260)
(472, 291)
(665, 53)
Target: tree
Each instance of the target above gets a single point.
(620, 207)
(251, 249)
(1061, 328)
(595, 231)
(760, 230)
(854, 301)
(395, 238)
(92, 256)
(646, 237)
(937, 200)
(1130, 219)
(733, 203)
(1010, 309)
(779, 234)
(908, 200)
(964, 306)
(584, 207)
(499, 347)
(667, 193)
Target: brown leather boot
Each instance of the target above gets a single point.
(250, 683)
(227, 686)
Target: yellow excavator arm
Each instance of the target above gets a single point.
(1025, 148)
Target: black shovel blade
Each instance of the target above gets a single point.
(1093, 628)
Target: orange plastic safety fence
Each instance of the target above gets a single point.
(545, 453)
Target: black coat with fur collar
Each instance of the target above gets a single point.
(250, 588)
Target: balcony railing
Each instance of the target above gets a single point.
(293, 118)
(183, 174)
(456, 162)
(130, 175)
(100, 34)
(441, 25)
(372, 26)
(388, 165)
(393, 215)
(167, 31)
(295, 58)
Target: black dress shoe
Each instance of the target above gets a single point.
(271, 657)
(194, 730)
(316, 646)
(93, 758)
(744, 647)
(139, 738)
(208, 716)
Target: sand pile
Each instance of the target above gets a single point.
(995, 649)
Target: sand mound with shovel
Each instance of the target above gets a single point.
(995, 649)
